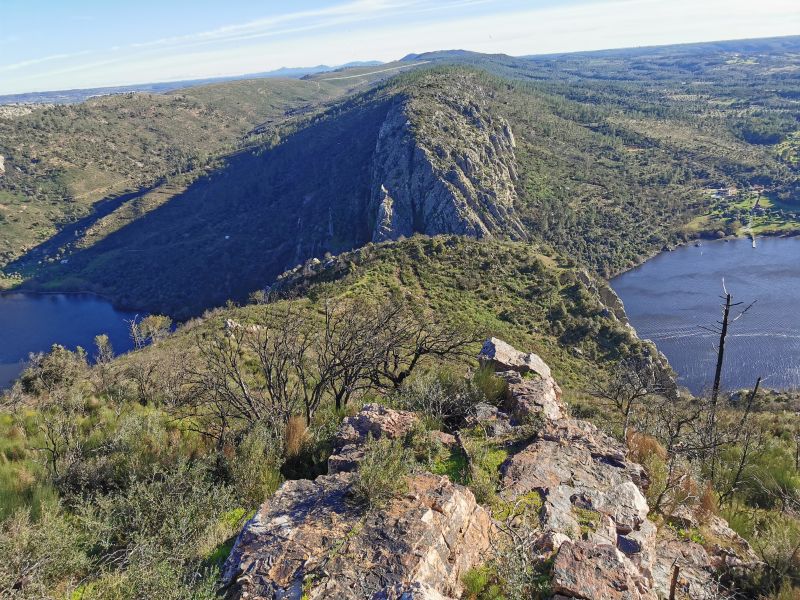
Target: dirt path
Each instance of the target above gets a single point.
(424, 62)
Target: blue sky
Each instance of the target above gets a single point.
(60, 44)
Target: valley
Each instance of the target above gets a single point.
(578, 165)
(437, 332)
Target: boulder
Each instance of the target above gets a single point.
(504, 357)
(313, 540)
(372, 420)
(682, 518)
(597, 572)
(527, 398)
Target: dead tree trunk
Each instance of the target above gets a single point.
(711, 431)
(721, 353)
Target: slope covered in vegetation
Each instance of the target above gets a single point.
(61, 160)
(601, 162)
(126, 461)
(129, 478)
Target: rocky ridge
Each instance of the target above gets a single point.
(312, 540)
(444, 164)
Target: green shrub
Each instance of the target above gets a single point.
(481, 583)
(382, 472)
(255, 469)
(150, 574)
(177, 510)
(426, 449)
(490, 386)
(445, 398)
(37, 556)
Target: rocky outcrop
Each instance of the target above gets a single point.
(699, 567)
(532, 390)
(586, 570)
(504, 357)
(414, 591)
(2, 165)
(373, 420)
(594, 515)
(443, 164)
(605, 295)
(312, 540)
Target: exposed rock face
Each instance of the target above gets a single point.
(607, 296)
(698, 566)
(586, 570)
(594, 515)
(414, 591)
(504, 357)
(444, 165)
(373, 420)
(311, 538)
(493, 421)
(528, 397)
(314, 540)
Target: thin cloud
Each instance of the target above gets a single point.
(386, 30)
(44, 59)
(357, 9)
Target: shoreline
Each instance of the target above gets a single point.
(792, 389)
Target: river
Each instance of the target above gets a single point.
(672, 296)
(34, 322)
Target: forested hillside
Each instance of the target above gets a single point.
(608, 156)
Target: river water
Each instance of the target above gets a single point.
(34, 322)
(672, 296)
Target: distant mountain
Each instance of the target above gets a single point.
(440, 55)
(79, 95)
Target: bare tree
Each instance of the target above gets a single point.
(406, 339)
(347, 349)
(290, 361)
(721, 328)
(632, 380)
(227, 389)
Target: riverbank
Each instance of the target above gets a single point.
(32, 323)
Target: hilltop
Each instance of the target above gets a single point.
(587, 152)
(347, 398)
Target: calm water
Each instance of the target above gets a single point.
(34, 322)
(671, 296)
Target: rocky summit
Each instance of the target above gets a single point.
(313, 539)
(447, 169)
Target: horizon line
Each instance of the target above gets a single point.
(250, 75)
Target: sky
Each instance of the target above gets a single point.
(65, 44)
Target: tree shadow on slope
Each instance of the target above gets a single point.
(236, 229)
